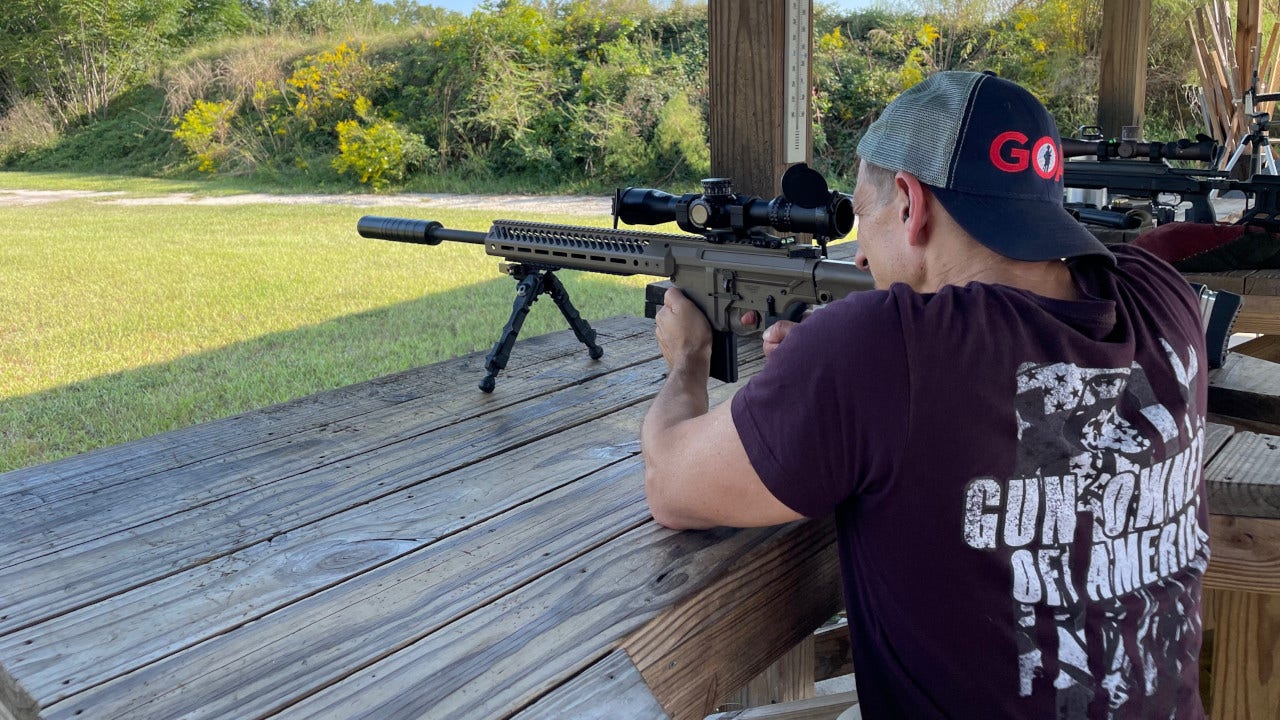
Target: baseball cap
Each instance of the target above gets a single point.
(991, 154)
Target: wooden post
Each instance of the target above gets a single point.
(748, 86)
(1122, 83)
(1248, 17)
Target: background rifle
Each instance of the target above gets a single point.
(728, 265)
(1140, 169)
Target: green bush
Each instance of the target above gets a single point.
(376, 150)
(204, 130)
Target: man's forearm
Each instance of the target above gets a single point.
(683, 397)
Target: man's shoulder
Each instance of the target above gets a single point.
(1131, 259)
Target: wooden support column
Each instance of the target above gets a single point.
(748, 62)
(1122, 82)
(1248, 19)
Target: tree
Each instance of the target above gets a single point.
(76, 55)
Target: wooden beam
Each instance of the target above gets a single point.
(827, 707)
(1244, 555)
(1248, 19)
(790, 677)
(1122, 83)
(1242, 478)
(798, 571)
(612, 689)
(747, 62)
(1245, 387)
(1241, 644)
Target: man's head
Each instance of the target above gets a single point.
(989, 153)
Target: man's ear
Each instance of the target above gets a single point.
(914, 206)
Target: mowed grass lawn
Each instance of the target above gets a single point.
(122, 321)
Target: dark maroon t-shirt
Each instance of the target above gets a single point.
(1017, 486)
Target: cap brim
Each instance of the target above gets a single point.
(1022, 229)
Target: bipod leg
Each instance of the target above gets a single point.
(581, 327)
(527, 292)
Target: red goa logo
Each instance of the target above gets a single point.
(1043, 157)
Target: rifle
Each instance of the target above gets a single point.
(1141, 170)
(728, 264)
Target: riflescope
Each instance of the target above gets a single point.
(806, 205)
(1202, 149)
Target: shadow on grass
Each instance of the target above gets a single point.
(115, 408)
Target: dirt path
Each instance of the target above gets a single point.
(567, 204)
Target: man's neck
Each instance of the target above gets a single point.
(1051, 279)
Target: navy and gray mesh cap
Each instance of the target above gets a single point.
(991, 154)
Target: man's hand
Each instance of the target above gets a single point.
(696, 471)
(684, 335)
(775, 334)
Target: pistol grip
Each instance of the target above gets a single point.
(724, 356)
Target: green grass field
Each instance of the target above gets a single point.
(122, 321)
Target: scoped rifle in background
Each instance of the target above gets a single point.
(1141, 170)
(730, 263)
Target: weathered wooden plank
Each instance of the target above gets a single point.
(1123, 76)
(41, 525)
(801, 574)
(611, 689)
(1263, 347)
(1244, 478)
(290, 653)
(1244, 554)
(1259, 314)
(15, 702)
(51, 584)
(1246, 387)
(832, 651)
(790, 677)
(305, 561)
(70, 653)
(46, 522)
(1216, 436)
(1246, 645)
(746, 54)
(826, 707)
(1263, 282)
(1246, 425)
(1232, 281)
(484, 662)
(130, 461)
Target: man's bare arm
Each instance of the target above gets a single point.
(697, 473)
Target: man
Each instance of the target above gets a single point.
(1008, 430)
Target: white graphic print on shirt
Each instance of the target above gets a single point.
(1086, 473)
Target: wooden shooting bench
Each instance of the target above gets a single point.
(406, 547)
(413, 547)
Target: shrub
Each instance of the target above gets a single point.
(204, 131)
(377, 152)
(28, 125)
(680, 139)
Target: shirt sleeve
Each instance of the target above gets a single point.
(827, 417)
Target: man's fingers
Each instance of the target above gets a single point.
(675, 299)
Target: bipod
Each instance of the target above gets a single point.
(533, 282)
